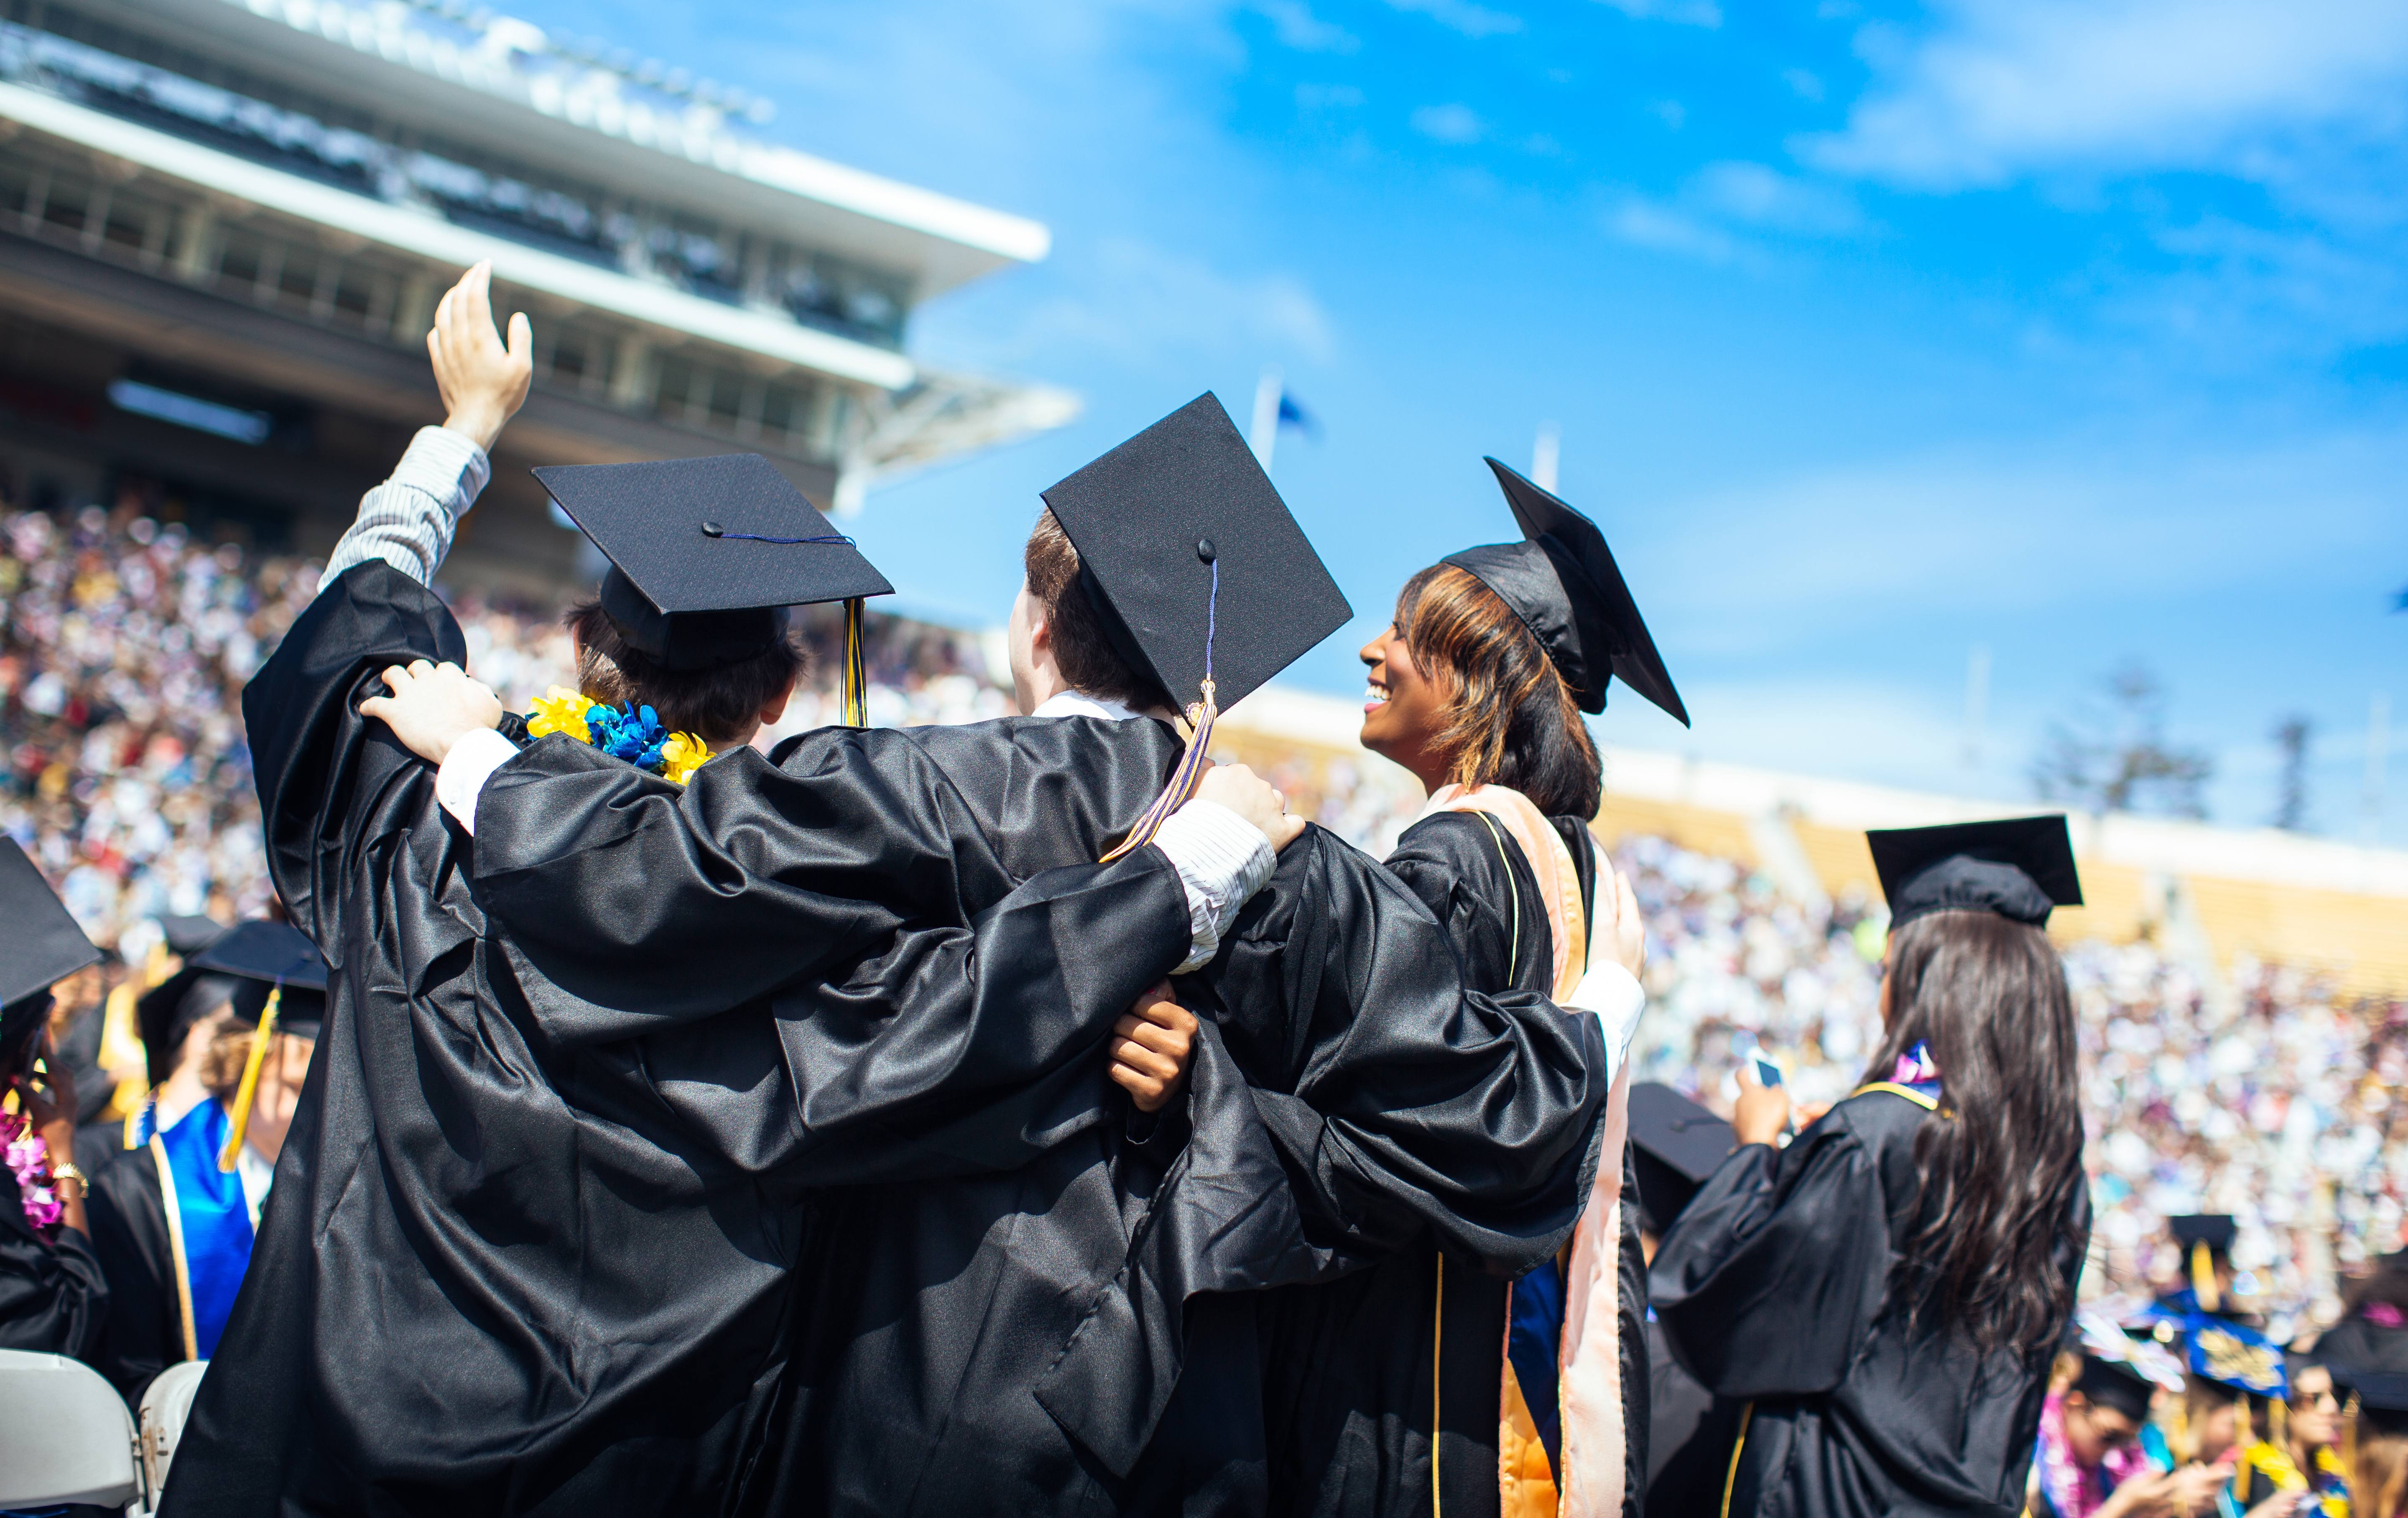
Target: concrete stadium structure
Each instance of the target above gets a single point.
(224, 224)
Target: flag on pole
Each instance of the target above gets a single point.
(1274, 408)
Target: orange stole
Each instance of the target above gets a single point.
(1589, 1394)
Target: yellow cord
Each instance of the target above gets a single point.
(1437, 1355)
(248, 1091)
(856, 674)
(1746, 1416)
(2203, 1279)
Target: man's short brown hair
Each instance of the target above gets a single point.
(716, 705)
(1081, 649)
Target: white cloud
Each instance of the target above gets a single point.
(1765, 197)
(1472, 21)
(1803, 83)
(1452, 124)
(1679, 12)
(1651, 224)
(2006, 88)
(1145, 303)
(1295, 26)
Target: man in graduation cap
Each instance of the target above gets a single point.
(530, 1235)
(173, 1220)
(1888, 1293)
(1080, 1334)
(53, 1297)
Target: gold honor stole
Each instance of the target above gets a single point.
(1589, 1392)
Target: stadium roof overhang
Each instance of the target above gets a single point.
(580, 127)
(411, 231)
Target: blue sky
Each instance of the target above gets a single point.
(1874, 332)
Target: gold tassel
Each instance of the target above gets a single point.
(857, 673)
(2278, 1423)
(248, 1091)
(2203, 1279)
(1193, 762)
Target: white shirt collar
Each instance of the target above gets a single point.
(1075, 703)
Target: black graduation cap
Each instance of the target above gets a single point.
(2216, 1230)
(706, 554)
(2017, 867)
(269, 956)
(1678, 1146)
(186, 937)
(2369, 1361)
(43, 945)
(1561, 580)
(1155, 517)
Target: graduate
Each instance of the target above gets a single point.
(2100, 1454)
(2367, 1353)
(173, 1220)
(1477, 687)
(2209, 1282)
(53, 1298)
(2297, 1466)
(528, 1244)
(1888, 1293)
(1082, 1335)
(1677, 1146)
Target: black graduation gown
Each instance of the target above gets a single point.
(1351, 1364)
(526, 1249)
(1773, 1287)
(1689, 1436)
(1079, 1336)
(53, 1297)
(145, 1332)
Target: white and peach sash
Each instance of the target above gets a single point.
(1595, 1475)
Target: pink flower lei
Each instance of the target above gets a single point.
(29, 1161)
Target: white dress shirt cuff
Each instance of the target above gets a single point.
(1221, 860)
(460, 778)
(1614, 994)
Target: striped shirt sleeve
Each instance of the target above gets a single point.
(408, 520)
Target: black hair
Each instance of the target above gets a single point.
(1999, 1165)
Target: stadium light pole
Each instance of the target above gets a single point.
(1544, 451)
(1977, 701)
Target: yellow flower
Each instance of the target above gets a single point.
(682, 755)
(560, 710)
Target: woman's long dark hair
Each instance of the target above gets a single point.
(1512, 719)
(1999, 1168)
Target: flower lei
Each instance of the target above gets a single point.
(29, 1161)
(629, 732)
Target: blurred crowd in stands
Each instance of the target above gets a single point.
(2263, 1093)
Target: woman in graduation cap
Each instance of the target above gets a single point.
(1477, 687)
(53, 1296)
(1888, 1293)
(174, 1219)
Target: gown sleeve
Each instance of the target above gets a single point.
(1404, 1098)
(129, 1236)
(1768, 1281)
(52, 1296)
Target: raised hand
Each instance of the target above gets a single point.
(1152, 1044)
(432, 708)
(484, 381)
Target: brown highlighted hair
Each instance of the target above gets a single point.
(716, 705)
(1999, 1165)
(1081, 648)
(1512, 718)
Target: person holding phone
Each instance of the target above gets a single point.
(1888, 1293)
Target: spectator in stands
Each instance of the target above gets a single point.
(52, 1296)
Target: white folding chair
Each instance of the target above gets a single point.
(165, 1407)
(66, 1438)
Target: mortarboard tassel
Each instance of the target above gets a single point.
(856, 672)
(1201, 715)
(2203, 1279)
(249, 1089)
